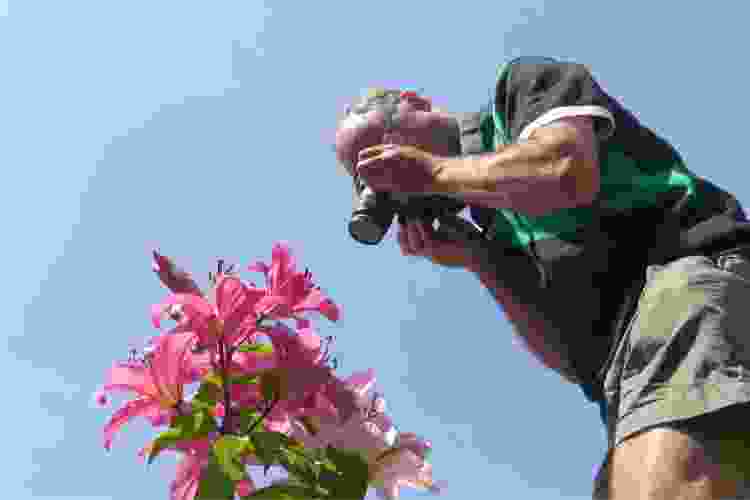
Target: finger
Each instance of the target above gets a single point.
(368, 164)
(374, 150)
(403, 241)
(369, 152)
(383, 154)
(415, 240)
(424, 235)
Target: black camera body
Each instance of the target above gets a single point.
(373, 212)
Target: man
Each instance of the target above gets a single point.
(619, 268)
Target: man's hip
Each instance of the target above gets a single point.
(686, 349)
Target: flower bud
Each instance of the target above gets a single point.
(101, 399)
(244, 488)
(219, 410)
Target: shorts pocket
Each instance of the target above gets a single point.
(734, 263)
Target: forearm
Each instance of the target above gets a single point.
(528, 324)
(537, 176)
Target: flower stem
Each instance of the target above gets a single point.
(226, 352)
(224, 361)
(264, 415)
(258, 322)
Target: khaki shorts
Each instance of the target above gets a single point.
(686, 351)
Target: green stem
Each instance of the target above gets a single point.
(264, 415)
(258, 323)
(225, 383)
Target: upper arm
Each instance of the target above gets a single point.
(533, 92)
(559, 104)
(574, 138)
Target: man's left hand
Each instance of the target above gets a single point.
(398, 168)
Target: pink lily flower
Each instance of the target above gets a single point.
(187, 479)
(350, 396)
(370, 432)
(405, 464)
(298, 360)
(194, 459)
(230, 318)
(159, 383)
(288, 292)
(298, 357)
(395, 460)
(415, 444)
(189, 469)
(296, 347)
(399, 468)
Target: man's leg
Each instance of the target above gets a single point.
(706, 458)
(679, 388)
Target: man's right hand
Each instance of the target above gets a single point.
(421, 239)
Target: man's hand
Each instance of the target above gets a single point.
(398, 168)
(420, 239)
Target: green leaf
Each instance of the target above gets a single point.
(351, 478)
(320, 454)
(213, 384)
(261, 348)
(300, 465)
(228, 450)
(214, 483)
(195, 425)
(164, 441)
(207, 396)
(245, 380)
(247, 417)
(183, 427)
(268, 446)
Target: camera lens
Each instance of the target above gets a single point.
(365, 229)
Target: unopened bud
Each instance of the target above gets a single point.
(244, 488)
(101, 398)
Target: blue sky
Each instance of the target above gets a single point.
(205, 131)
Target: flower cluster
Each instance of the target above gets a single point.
(233, 385)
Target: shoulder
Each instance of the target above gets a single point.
(534, 90)
(528, 72)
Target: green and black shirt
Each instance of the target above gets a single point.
(650, 209)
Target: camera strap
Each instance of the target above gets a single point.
(472, 143)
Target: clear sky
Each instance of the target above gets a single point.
(205, 129)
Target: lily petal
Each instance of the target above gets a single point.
(361, 382)
(235, 303)
(168, 364)
(282, 265)
(131, 409)
(193, 307)
(314, 300)
(127, 377)
(187, 479)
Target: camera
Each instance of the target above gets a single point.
(373, 213)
